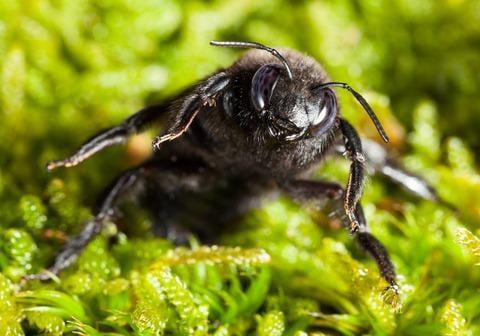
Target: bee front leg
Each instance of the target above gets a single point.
(356, 179)
(204, 96)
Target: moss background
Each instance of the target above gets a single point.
(71, 68)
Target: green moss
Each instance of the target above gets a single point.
(273, 323)
(451, 316)
(70, 68)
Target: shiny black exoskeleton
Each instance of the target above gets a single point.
(253, 129)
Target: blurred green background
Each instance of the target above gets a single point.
(71, 68)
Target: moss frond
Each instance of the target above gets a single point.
(451, 316)
(471, 243)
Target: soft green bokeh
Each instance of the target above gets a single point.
(71, 68)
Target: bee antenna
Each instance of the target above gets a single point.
(255, 45)
(362, 102)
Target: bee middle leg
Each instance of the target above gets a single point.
(112, 136)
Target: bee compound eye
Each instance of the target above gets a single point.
(326, 113)
(263, 84)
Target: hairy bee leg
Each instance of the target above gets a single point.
(165, 176)
(92, 228)
(305, 190)
(203, 96)
(112, 136)
(379, 161)
(376, 250)
(356, 179)
(140, 120)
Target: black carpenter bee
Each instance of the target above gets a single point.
(254, 128)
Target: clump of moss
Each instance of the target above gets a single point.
(70, 68)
